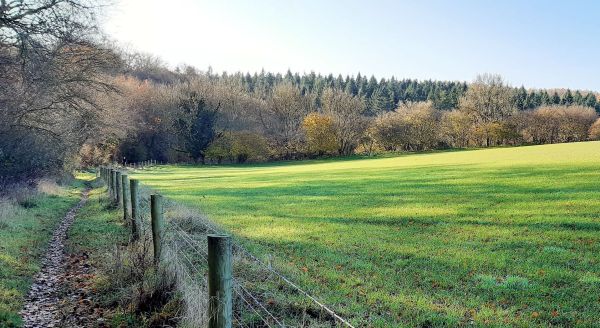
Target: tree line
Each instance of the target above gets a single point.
(206, 117)
(68, 97)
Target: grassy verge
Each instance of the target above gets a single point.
(125, 283)
(496, 237)
(26, 226)
(98, 227)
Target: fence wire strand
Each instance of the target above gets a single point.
(191, 251)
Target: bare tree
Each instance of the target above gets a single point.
(53, 76)
(346, 111)
(283, 116)
(488, 100)
(455, 128)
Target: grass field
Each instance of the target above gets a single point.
(495, 237)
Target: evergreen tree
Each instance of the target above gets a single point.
(377, 102)
(578, 98)
(410, 94)
(544, 98)
(351, 87)
(590, 100)
(371, 86)
(521, 98)
(339, 83)
(555, 100)
(289, 77)
(567, 98)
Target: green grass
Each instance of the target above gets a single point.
(124, 283)
(98, 227)
(495, 237)
(25, 231)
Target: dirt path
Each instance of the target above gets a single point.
(42, 308)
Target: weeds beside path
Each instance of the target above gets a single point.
(42, 304)
(27, 220)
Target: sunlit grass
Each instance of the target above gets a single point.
(495, 237)
(25, 229)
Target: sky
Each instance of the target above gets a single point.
(538, 44)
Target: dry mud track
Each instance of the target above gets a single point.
(44, 303)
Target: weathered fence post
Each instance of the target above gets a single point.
(107, 180)
(106, 170)
(156, 211)
(135, 205)
(126, 198)
(220, 283)
(119, 189)
(113, 182)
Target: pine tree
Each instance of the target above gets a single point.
(521, 98)
(377, 102)
(567, 98)
(361, 83)
(351, 86)
(555, 100)
(339, 83)
(590, 100)
(544, 98)
(578, 98)
(289, 76)
(371, 86)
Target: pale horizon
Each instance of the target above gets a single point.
(425, 41)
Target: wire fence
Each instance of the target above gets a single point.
(262, 296)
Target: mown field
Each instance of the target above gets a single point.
(495, 237)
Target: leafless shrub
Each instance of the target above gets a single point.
(49, 187)
(9, 210)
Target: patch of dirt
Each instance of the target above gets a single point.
(77, 308)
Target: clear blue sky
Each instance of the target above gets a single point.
(539, 44)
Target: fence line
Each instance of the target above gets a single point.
(175, 233)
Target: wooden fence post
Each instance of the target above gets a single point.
(135, 205)
(119, 189)
(156, 211)
(126, 198)
(106, 178)
(113, 182)
(220, 283)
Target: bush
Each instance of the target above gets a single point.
(238, 147)
(413, 126)
(320, 134)
(551, 124)
(594, 133)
